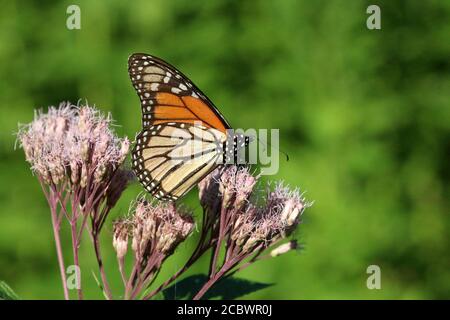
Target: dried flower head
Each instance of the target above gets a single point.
(236, 185)
(77, 157)
(243, 225)
(251, 224)
(159, 227)
(73, 143)
(275, 220)
(286, 204)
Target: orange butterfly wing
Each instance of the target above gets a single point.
(169, 96)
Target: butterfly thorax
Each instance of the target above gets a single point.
(232, 146)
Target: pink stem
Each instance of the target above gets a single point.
(56, 223)
(98, 255)
(62, 268)
(197, 253)
(75, 250)
(130, 284)
(210, 282)
(215, 256)
(121, 262)
(227, 266)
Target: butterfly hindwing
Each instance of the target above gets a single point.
(170, 159)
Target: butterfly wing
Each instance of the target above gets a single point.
(183, 132)
(170, 159)
(169, 96)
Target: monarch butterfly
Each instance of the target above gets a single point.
(184, 136)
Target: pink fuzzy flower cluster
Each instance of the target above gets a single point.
(155, 229)
(72, 143)
(239, 224)
(77, 159)
(244, 224)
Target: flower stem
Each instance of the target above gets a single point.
(211, 282)
(52, 200)
(202, 246)
(98, 255)
(121, 262)
(62, 268)
(227, 266)
(75, 250)
(216, 251)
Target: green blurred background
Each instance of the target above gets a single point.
(364, 115)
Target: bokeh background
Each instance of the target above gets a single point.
(364, 115)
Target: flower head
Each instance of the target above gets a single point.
(275, 219)
(231, 185)
(236, 185)
(73, 151)
(285, 204)
(158, 228)
(251, 224)
(43, 142)
(73, 143)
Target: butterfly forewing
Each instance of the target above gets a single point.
(167, 95)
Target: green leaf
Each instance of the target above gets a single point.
(6, 293)
(228, 288)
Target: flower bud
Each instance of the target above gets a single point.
(124, 148)
(74, 172)
(99, 173)
(120, 238)
(284, 248)
(244, 184)
(292, 209)
(83, 176)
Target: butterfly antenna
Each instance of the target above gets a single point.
(270, 145)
